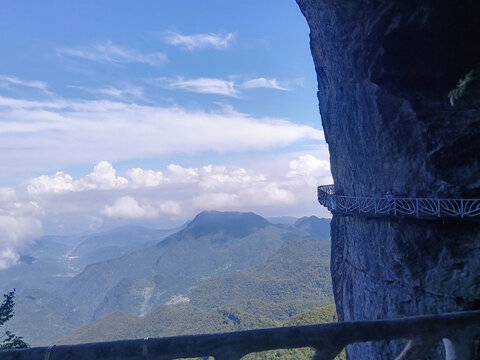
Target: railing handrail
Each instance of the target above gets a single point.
(329, 339)
(425, 208)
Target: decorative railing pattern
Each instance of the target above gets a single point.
(457, 331)
(424, 208)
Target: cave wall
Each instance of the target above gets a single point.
(384, 70)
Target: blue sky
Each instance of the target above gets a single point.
(123, 111)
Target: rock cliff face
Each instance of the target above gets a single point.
(384, 70)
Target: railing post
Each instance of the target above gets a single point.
(462, 210)
(458, 347)
(417, 348)
(395, 207)
(375, 205)
(438, 209)
(327, 353)
(416, 206)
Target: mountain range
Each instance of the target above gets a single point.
(216, 264)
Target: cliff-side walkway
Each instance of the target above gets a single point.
(389, 206)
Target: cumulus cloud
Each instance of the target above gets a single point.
(219, 177)
(103, 177)
(145, 178)
(19, 226)
(178, 192)
(110, 53)
(58, 183)
(263, 83)
(308, 165)
(127, 207)
(181, 175)
(199, 41)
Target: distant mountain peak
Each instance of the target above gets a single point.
(238, 224)
(315, 226)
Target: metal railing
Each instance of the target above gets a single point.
(456, 330)
(424, 208)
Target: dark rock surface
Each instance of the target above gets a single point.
(384, 70)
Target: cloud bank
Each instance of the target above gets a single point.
(175, 192)
(181, 192)
(60, 132)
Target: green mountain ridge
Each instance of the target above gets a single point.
(213, 243)
(115, 243)
(295, 278)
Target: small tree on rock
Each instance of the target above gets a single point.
(10, 340)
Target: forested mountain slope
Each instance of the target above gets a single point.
(259, 256)
(295, 278)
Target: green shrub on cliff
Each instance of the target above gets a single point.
(10, 340)
(324, 314)
(457, 93)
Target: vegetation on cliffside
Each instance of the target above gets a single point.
(9, 339)
(321, 315)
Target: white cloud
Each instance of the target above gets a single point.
(111, 53)
(16, 81)
(218, 86)
(7, 195)
(179, 174)
(219, 177)
(52, 134)
(281, 186)
(199, 41)
(58, 183)
(276, 193)
(19, 226)
(170, 208)
(127, 207)
(201, 85)
(308, 165)
(122, 93)
(263, 83)
(103, 177)
(215, 201)
(145, 178)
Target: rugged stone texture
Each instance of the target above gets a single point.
(384, 70)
